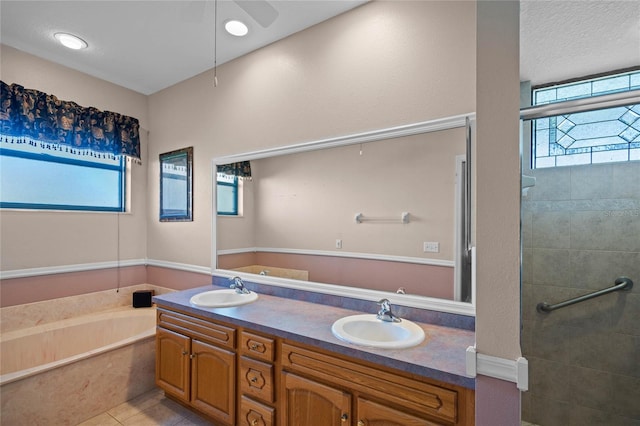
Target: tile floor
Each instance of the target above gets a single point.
(153, 409)
(149, 409)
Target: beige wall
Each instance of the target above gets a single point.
(380, 65)
(308, 200)
(32, 239)
(383, 64)
(498, 206)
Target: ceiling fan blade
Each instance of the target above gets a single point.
(260, 10)
(192, 11)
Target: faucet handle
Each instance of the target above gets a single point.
(238, 285)
(384, 304)
(385, 314)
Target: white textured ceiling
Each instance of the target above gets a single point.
(149, 45)
(562, 40)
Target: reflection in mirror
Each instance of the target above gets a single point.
(176, 185)
(385, 215)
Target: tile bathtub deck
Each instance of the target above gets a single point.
(149, 409)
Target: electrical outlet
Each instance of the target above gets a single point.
(431, 247)
(338, 244)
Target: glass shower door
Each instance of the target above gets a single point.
(581, 233)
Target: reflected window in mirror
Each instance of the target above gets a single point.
(227, 194)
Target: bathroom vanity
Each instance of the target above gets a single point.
(276, 362)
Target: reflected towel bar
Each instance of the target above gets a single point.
(404, 218)
(622, 283)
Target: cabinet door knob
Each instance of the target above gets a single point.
(184, 352)
(344, 418)
(360, 423)
(192, 356)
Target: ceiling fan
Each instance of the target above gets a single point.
(260, 10)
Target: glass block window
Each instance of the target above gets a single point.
(601, 136)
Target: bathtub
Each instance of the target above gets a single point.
(67, 371)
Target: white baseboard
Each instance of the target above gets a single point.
(516, 371)
(345, 254)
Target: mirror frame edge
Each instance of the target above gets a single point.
(420, 302)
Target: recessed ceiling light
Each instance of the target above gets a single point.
(71, 41)
(236, 28)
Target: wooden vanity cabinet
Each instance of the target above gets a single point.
(196, 364)
(268, 381)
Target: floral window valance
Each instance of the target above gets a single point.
(241, 169)
(33, 117)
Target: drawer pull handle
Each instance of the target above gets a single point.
(254, 418)
(256, 379)
(258, 347)
(344, 418)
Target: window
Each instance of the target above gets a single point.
(601, 136)
(35, 177)
(227, 194)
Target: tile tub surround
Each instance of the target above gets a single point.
(37, 313)
(94, 381)
(75, 392)
(441, 356)
(32, 350)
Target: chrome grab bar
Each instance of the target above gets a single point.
(622, 283)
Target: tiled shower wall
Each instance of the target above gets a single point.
(580, 231)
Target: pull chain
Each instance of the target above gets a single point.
(215, 44)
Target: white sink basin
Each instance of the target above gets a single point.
(222, 298)
(367, 330)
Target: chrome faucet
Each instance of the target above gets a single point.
(385, 314)
(238, 285)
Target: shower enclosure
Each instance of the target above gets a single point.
(580, 228)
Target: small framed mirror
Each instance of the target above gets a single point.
(176, 186)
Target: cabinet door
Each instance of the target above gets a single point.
(172, 363)
(310, 403)
(370, 413)
(213, 374)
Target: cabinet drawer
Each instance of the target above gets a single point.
(253, 413)
(372, 413)
(258, 347)
(256, 379)
(195, 327)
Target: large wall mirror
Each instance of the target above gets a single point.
(378, 214)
